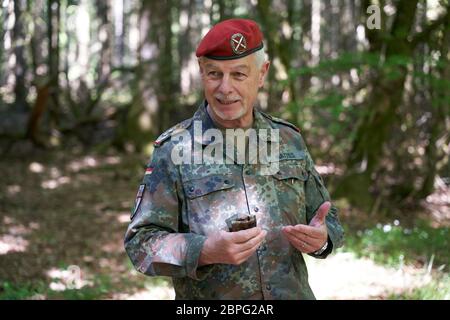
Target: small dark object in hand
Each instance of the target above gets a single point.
(242, 223)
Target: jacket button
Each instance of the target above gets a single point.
(256, 209)
(268, 287)
(191, 189)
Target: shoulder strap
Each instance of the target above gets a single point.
(280, 121)
(174, 130)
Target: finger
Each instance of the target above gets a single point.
(243, 235)
(312, 242)
(290, 228)
(299, 235)
(315, 242)
(300, 245)
(322, 212)
(253, 241)
(244, 255)
(310, 231)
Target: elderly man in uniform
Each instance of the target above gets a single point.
(180, 225)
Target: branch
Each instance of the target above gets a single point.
(102, 86)
(87, 121)
(425, 33)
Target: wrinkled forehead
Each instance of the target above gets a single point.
(245, 63)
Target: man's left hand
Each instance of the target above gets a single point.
(312, 237)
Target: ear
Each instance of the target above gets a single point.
(263, 73)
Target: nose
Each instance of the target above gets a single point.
(225, 85)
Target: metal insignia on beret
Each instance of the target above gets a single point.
(238, 43)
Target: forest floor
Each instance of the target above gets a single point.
(63, 216)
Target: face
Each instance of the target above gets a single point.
(231, 87)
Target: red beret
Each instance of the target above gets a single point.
(231, 39)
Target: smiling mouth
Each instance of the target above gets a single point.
(226, 102)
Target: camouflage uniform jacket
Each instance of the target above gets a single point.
(177, 206)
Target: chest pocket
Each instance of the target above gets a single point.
(290, 182)
(201, 187)
(291, 169)
(211, 200)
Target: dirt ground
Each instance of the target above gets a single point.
(62, 221)
(64, 210)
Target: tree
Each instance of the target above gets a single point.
(20, 66)
(394, 47)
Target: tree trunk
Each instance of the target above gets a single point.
(105, 35)
(384, 98)
(185, 46)
(305, 21)
(440, 111)
(20, 66)
(386, 95)
(226, 9)
(161, 18)
(270, 30)
(155, 89)
(53, 12)
(3, 30)
(38, 37)
(36, 115)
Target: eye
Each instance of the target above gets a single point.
(214, 74)
(240, 75)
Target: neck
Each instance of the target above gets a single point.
(244, 122)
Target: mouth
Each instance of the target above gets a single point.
(226, 102)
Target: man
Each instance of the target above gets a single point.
(179, 223)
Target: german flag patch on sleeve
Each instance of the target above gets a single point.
(138, 200)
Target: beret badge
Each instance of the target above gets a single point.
(238, 43)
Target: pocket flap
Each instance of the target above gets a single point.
(200, 187)
(291, 170)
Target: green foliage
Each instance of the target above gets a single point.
(9, 291)
(343, 63)
(100, 287)
(331, 102)
(391, 68)
(395, 245)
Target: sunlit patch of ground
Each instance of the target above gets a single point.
(61, 213)
(343, 276)
(12, 239)
(438, 203)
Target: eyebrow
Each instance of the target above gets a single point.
(210, 65)
(241, 66)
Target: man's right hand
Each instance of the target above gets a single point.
(231, 247)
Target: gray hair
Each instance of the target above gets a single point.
(260, 58)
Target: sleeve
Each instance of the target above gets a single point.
(153, 240)
(316, 194)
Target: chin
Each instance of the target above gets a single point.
(229, 115)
